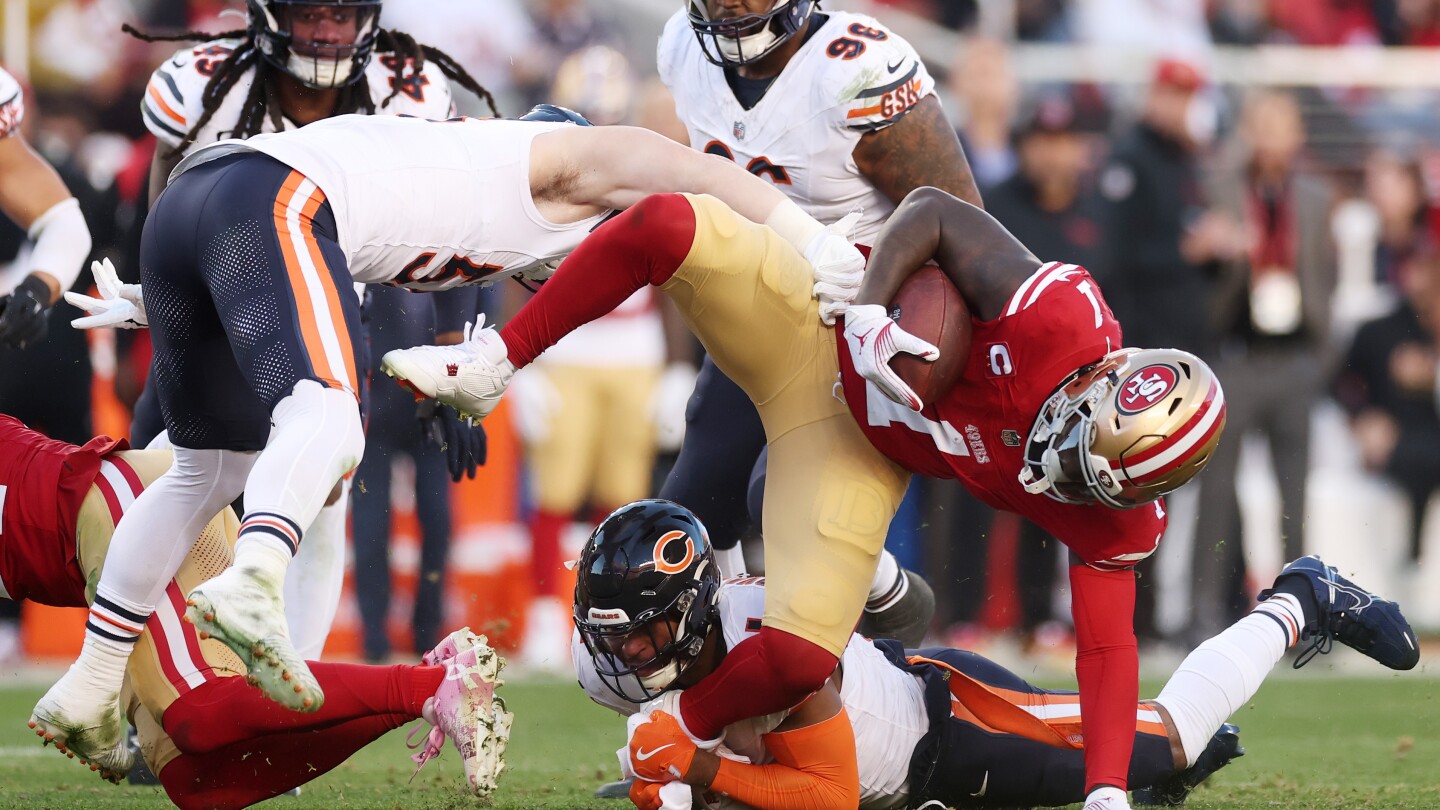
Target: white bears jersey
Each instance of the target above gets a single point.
(425, 205)
(851, 77)
(12, 105)
(173, 104)
(885, 704)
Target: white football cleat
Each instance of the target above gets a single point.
(1107, 798)
(242, 608)
(466, 709)
(84, 723)
(469, 376)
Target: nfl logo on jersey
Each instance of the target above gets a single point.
(739, 130)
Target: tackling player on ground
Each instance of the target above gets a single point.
(840, 113)
(215, 742)
(937, 725)
(248, 259)
(34, 197)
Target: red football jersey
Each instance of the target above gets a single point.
(42, 483)
(1055, 322)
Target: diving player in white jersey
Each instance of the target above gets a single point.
(838, 112)
(34, 197)
(246, 264)
(892, 728)
(296, 62)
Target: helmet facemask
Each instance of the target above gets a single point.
(1127, 430)
(749, 38)
(646, 597)
(284, 32)
(1061, 438)
(676, 634)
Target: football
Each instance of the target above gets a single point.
(929, 307)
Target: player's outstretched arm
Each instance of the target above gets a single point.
(616, 167)
(984, 261)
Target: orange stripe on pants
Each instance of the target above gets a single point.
(312, 328)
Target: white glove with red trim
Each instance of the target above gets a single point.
(873, 338)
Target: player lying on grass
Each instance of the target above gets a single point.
(215, 741)
(895, 728)
(1108, 429)
(247, 263)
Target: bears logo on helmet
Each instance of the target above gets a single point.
(645, 597)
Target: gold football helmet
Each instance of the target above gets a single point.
(1126, 430)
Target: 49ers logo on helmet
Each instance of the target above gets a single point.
(674, 552)
(1145, 387)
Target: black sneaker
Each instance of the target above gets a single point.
(140, 774)
(1353, 616)
(1175, 788)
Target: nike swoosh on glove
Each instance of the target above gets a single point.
(873, 338)
(660, 751)
(121, 306)
(838, 267)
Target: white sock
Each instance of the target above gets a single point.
(264, 556)
(100, 669)
(731, 561)
(315, 578)
(888, 586)
(1224, 672)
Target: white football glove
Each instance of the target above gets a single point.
(873, 339)
(119, 305)
(668, 405)
(534, 402)
(838, 266)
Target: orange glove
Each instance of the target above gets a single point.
(646, 795)
(661, 751)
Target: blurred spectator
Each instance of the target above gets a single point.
(983, 83)
(1396, 190)
(1051, 210)
(1387, 383)
(1272, 311)
(1154, 216)
(1043, 21)
(1325, 22)
(397, 319)
(1152, 191)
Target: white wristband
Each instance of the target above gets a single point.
(62, 242)
(794, 225)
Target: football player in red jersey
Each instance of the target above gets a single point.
(213, 740)
(1048, 405)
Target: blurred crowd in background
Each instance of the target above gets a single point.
(1288, 233)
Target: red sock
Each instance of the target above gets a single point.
(252, 771)
(644, 245)
(770, 672)
(545, 530)
(226, 711)
(1107, 665)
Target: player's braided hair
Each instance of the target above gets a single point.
(354, 98)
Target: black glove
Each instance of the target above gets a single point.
(462, 442)
(24, 313)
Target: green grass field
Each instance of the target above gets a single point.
(1312, 742)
